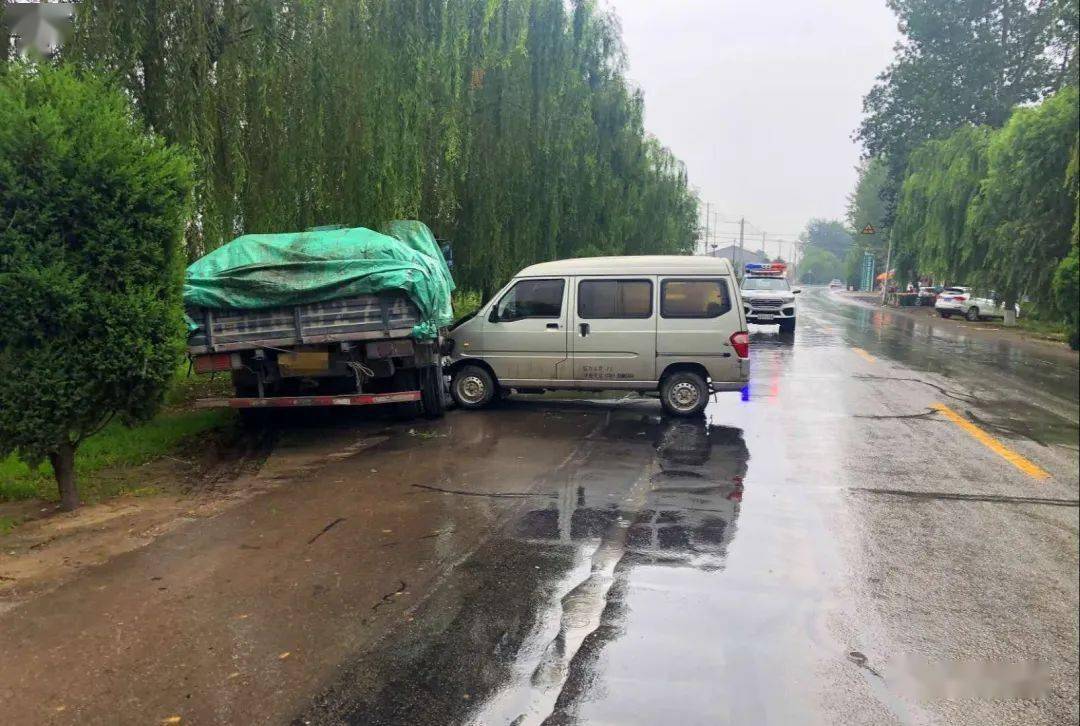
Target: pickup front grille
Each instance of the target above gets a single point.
(771, 303)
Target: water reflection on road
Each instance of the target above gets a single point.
(677, 507)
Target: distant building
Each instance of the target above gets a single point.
(738, 257)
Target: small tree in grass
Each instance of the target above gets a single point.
(92, 211)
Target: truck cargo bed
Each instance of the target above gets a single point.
(361, 317)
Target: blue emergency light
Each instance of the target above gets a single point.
(766, 269)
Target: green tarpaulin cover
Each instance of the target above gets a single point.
(274, 270)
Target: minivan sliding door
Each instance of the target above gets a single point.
(613, 337)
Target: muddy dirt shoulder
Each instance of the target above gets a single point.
(984, 329)
(46, 547)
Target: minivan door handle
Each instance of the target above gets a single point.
(584, 327)
(553, 326)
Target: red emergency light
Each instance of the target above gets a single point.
(766, 269)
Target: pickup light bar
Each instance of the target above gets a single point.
(766, 269)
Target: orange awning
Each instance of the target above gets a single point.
(881, 277)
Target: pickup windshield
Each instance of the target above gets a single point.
(765, 283)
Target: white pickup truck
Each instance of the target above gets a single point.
(767, 297)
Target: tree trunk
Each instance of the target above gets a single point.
(1010, 317)
(63, 464)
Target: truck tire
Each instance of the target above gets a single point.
(787, 325)
(432, 403)
(684, 394)
(472, 387)
(244, 384)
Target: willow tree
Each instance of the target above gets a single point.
(1066, 284)
(931, 232)
(507, 125)
(1024, 213)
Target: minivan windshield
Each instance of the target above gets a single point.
(765, 283)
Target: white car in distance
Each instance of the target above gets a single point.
(962, 301)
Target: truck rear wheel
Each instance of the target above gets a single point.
(472, 387)
(245, 384)
(432, 402)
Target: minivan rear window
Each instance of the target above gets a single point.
(694, 298)
(614, 299)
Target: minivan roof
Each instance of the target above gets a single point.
(637, 265)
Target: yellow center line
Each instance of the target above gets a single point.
(865, 356)
(1024, 465)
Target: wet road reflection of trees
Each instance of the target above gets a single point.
(511, 635)
(649, 492)
(688, 513)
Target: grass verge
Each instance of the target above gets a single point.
(1049, 329)
(117, 446)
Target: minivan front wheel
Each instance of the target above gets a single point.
(472, 387)
(684, 394)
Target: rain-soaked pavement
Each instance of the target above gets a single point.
(588, 561)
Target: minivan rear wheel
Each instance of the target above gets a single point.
(472, 387)
(684, 393)
(972, 314)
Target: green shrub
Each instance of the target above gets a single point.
(94, 208)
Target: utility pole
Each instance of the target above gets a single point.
(742, 227)
(888, 261)
(705, 247)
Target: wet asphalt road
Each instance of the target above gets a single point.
(560, 561)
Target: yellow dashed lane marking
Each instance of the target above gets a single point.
(1024, 465)
(865, 356)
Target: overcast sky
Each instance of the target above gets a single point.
(759, 98)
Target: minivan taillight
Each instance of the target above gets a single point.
(740, 341)
(960, 298)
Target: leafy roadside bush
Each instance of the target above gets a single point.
(91, 261)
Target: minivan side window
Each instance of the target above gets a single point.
(694, 298)
(599, 299)
(530, 299)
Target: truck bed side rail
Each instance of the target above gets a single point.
(352, 318)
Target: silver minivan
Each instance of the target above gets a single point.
(670, 324)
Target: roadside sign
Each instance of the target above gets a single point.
(866, 282)
(869, 229)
